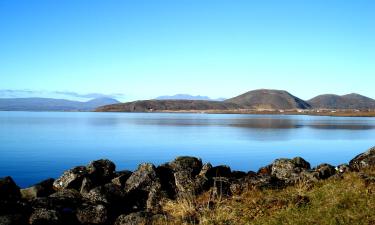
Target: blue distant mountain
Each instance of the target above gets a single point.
(187, 97)
(51, 104)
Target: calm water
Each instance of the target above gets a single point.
(37, 145)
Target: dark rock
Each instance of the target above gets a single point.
(364, 160)
(167, 181)
(41, 189)
(92, 214)
(238, 174)
(45, 217)
(9, 189)
(256, 182)
(101, 171)
(187, 164)
(13, 219)
(121, 178)
(325, 170)
(71, 179)
(134, 219)
(144, 188)
(66, 198)
(185, 170)
(87, 185)
(301, 163)
(219, 171)
(109, 194)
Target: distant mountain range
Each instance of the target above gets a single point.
(187, 97)
(262, 99)
(50, 104)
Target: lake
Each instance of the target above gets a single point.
(38, 145)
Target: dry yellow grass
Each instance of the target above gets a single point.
(350, 200)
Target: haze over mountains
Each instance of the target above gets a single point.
(187, 97)
(50, 104)
(262, 99)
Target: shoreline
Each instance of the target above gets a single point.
(250, 112)
(98, 194)
(234, 112)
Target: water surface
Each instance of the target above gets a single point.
(37, 145)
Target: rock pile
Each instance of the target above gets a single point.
(98, 194)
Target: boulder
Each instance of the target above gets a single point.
(45, 217)
(71, 179)
(87, 185)
(121, 178)
(101, 171)
(144, 188)
(9, 189)
(325, 170)
(66, 198)
(364, 160)
(187, 164)
(185, 170)
(167, 181)
(142, 179)
(109, 194)
(221, 187)
(289, 169)
(255, 182)
(92, 214)
(240, 174)
(219, 171)
(41, 189)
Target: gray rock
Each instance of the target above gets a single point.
(187, 164)
(92, 214)
(364, 160)
(185, 170)
(121, 178)
(45, 217)
(71, 179)
(325, 170)
(41, 189)
(142, 179)
(134, 219)
(144, 188)
(289, 169)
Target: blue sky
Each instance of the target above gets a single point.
(140, 49)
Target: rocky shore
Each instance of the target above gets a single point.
(98, 194)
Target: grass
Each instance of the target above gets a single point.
(350, 200)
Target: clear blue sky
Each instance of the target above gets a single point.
(218, 48)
